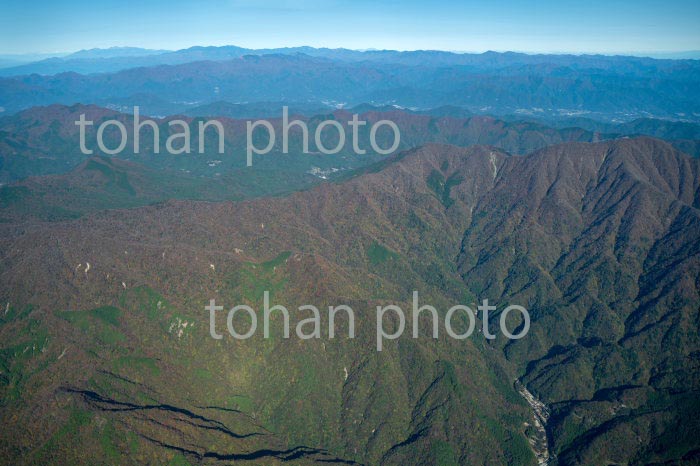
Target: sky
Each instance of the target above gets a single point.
(581, 26)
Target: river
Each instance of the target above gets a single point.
(538, 435)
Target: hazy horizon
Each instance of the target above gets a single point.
(670, 54)
(596, 27)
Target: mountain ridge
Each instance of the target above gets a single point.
(500, 83)
(65, 62)
(44, 140)
(580, 233)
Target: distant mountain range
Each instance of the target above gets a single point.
(118, 58)
(604, 87)
(112, 52)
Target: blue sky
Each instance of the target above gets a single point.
(602, 26)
